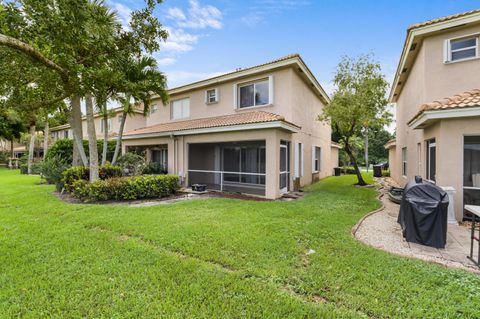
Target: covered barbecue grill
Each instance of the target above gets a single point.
(423, 214)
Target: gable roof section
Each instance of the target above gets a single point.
(232, 122)
(289, 60)
(414, 39)
(465, 100)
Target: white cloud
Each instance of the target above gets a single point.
(166, 61)
(197, 16)
(123, 13)
(179, 41)
(262, 9)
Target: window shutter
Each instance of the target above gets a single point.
(297, 160)
(206, 97)
(320, 159)
(302, 164)
(313, 159)
(217, 95)
(270, 89)
(235, 99)
(445, 51)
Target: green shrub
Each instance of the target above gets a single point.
(126, 188)
(73, 174)
(385, 173)
(64, 149)
(131, 164)
(4, 155)
(36, 168)
(154, 168)
(52, 170)
(349, 170)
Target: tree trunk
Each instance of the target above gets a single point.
(31, 148)
(366, 149)
(353, 159)
(12, 153)
(79, 155)
(92, 139)
(105, 133)
(46, 133)
(119, 138)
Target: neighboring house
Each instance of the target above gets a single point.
(252, 131)
(437, 94)
(136, 120)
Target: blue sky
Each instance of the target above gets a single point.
(209, 37)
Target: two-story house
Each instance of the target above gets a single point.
(437, 94)
(252, 131)
(133, 121)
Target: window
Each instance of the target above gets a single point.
(211, 96)
(471, 172)
(109, 124)
(180, 109)
(153, 108)
(254, 94)
(120, 118)
(65, 134)
(461, 49)
(431, 158)
(316, 155)
(404, 161)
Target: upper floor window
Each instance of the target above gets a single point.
(211, 96)
(120, 118)
(153, 108)
(180, 109)
(254, 94)
(109, 124)
(461, 49)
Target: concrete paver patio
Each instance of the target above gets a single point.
(382, 231)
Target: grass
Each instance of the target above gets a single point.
(212, 258)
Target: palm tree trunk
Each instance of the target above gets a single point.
(46, 133)
(79, 156)
(353, 159)
(92, 139)
(31, 148)
(105, 133)
(12, 153)
(119, 138)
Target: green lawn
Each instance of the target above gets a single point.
(211, 258)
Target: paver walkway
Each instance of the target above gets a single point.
(382, 231)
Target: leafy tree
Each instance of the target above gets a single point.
(11, 126)
(358, 103)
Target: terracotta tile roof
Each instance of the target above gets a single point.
(209, 122)
(442, 19)
(462, 100)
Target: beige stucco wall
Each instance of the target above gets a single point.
(431, 79)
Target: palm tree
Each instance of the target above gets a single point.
(143, 81)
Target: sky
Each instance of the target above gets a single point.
(211, 37)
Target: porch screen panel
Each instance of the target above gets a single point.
(471, 173)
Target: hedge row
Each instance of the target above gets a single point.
(126, 188)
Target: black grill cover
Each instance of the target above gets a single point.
(423, 214)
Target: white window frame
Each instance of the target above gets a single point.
(109, 125)
(120, 118)
(316, 159)
(238, 86)
(153, 109)
(299, 157)
(448, 52)
(404, 162)
(431, 143)
(184, 115)
(207, 97)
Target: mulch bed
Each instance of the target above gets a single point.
(178, 196)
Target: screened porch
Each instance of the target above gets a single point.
(237, 167)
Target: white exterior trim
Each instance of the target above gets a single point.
(218, 129)
(444, 114)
